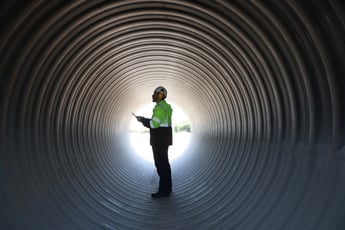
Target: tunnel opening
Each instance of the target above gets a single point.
(139, 135)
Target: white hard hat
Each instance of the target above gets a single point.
(161, 89)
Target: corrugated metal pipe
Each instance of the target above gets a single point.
(262, 83)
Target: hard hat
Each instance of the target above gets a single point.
(161, 89)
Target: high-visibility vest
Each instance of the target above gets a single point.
(161, 116)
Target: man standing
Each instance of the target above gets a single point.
(160, 139)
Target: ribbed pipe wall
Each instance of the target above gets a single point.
(261, 81)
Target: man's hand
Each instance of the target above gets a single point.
(139, 118)
(144, 121)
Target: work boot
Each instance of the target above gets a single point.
(160, 194)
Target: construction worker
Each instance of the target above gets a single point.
(160, 139)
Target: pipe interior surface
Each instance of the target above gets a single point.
(262, 83)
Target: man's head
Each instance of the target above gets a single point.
(160, 93)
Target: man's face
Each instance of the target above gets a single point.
(157, 96)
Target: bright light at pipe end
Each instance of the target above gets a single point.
(140, 137)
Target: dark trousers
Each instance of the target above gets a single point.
(160, 155)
